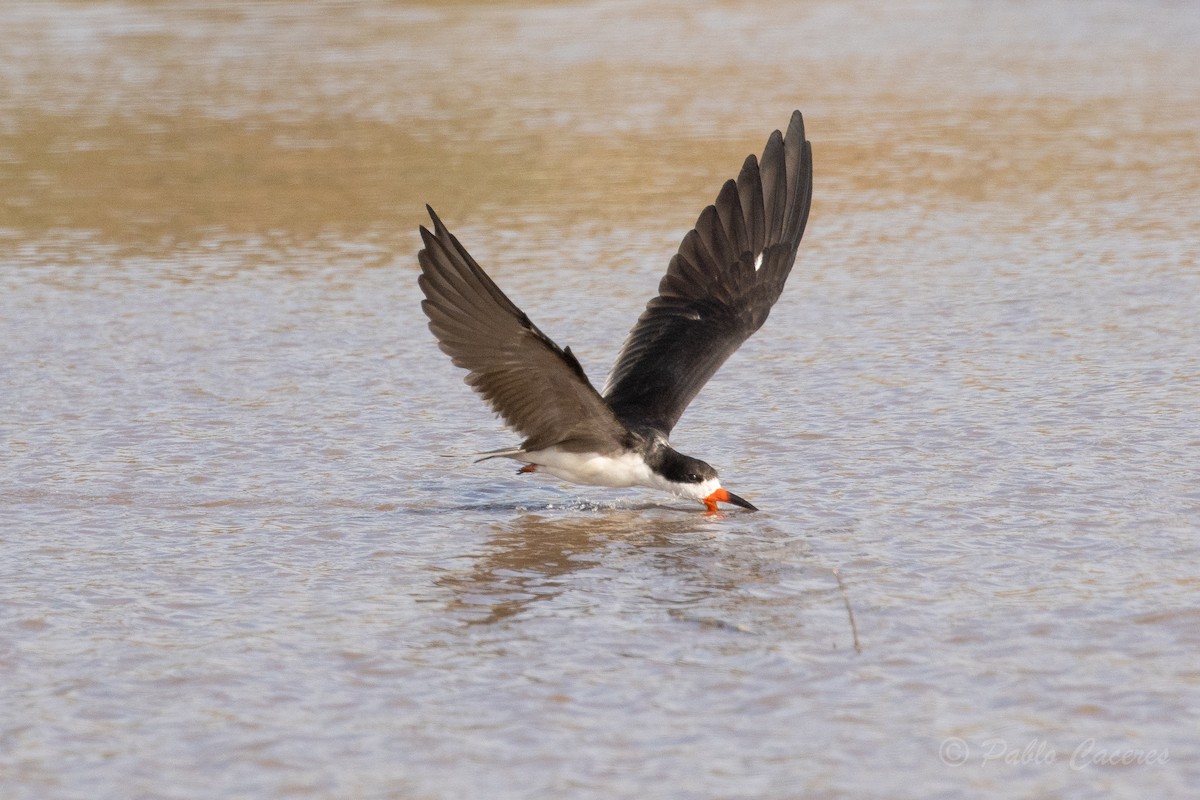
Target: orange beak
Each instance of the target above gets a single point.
(722, 496)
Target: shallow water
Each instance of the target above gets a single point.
(246, 553)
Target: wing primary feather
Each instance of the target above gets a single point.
(452, 285)
(774, 181)
(794, 161)
(468, 264)
(733, 219)
(751, 192)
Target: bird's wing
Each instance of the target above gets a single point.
(538, 388)
(720, 286)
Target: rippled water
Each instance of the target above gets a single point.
(244, 549)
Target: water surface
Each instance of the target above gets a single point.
(245, 551)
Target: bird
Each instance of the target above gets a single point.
(718, 290)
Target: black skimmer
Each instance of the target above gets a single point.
(718, 290)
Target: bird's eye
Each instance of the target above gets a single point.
(693, 477)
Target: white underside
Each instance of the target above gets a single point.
(618, 472)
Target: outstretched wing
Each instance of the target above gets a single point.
(538, 388)
(719, 287)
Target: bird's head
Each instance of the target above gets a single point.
(693, 478)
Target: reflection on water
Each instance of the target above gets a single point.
(528, 559)
(239, 516)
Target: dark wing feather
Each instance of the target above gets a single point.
(538, 388)
(712, 297)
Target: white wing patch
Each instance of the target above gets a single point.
(758, 262)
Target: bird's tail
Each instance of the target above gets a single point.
(504, 452)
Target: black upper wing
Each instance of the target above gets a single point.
(717, 291)
(538, 388)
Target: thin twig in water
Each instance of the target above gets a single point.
(849, 610)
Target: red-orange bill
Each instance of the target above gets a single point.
(723, 496)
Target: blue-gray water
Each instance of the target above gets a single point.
(244, 549)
